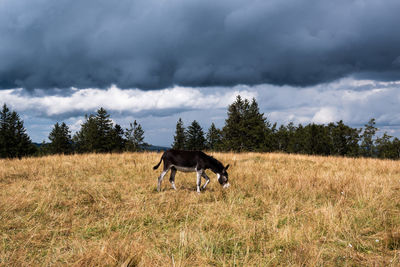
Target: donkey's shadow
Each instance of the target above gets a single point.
(190, 189)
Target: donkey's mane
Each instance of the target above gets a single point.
(215, 161)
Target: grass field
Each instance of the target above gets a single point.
(288, 210)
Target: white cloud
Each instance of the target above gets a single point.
(131, 101)
(76, 125)
(325, 115)
(347, 99)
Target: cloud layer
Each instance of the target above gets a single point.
(131, 101)
(158, 44)
(350, 100)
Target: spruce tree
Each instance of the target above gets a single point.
(258, 128)
(367, 144)
(282, 138)
(214, 138)
(117, 139)
(396, 148)
(344, 139)
(60, 137)
(318, 141)
(195, 137)
(97, 133)
(299, 139)
(245, 128)
(6, 133)
(234, 133)
(86, 139)
(105, 131)
(271, 142)
(385, 147)
(179, 137)
(24, 143)
(134, 137)
(14, 141)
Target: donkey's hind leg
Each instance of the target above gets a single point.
(172, 177)
(160, 178)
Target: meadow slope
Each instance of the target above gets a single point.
(95, 209)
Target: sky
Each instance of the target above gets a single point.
(156, 61)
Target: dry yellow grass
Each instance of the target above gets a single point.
(88, 210)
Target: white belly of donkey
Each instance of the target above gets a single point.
(185, 169)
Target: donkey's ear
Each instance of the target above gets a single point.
(227, 166)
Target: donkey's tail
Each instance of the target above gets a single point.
(155, 167)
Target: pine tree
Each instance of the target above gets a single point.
(117, 139)
(195, 137)
(282, 139)
(179, 138)
(214, 138)
(245, 128)
(318, 142)
(60, 137)
(367, 144)
(291, 131)
(258, 128)
(86, 139)
(299, 139)
(344, 139)
(135, 137)
(271, 142)
(6, 133)
(24, 143)
(385, 147)
(97, 133)
(234, 133)
(14, 141)
(396, 148)
(105, 131)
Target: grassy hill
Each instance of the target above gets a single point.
(87, 210)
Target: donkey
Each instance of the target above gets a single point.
(191, 161)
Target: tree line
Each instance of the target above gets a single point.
(97, 134)
(245, 129)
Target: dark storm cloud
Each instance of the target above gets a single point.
(156, 43)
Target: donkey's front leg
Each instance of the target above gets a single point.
(207, 180)
(198, 182)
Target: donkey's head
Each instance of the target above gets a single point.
(223, 177)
